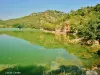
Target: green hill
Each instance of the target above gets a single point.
(47, 20)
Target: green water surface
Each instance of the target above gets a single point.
(33, 47)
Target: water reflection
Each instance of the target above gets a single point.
(18, 51)
(42, 48)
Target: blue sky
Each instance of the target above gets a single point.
(17, 8)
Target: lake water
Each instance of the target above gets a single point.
(14, 50)
(35, 47)
(29, 47)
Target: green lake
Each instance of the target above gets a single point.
(18, 47)
(34, 47)
(14, 50)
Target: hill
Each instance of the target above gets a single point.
(47, 20)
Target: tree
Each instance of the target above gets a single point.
(18, 26)
(92, 31)
(97, 7)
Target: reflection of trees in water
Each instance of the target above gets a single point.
(62, 38)
(64, 70)
(56, 41)
(62, 61)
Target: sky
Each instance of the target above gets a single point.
(10, 9)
